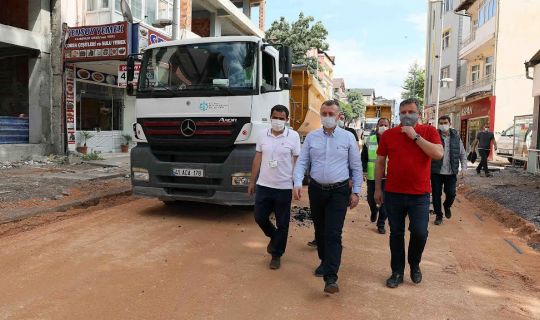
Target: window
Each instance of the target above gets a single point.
(448, 5)
(269, 71)
(90, 5)
(488, 66)
(445, 73)
(117, 5)
(488, 9)
(446, 39)
(150, 12)
(136, 9)
(104, 4)
(475, 73)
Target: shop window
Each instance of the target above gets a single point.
(99, 108)
(150, 11)
(446, 39)
(475, 73)
(489, 66)
(269, 71)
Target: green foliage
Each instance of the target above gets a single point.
(85, 135)
(302, 35)
(358, 104)
(92, 156)
(413, 86)
(127, 138)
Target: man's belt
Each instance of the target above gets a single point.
(330, 186)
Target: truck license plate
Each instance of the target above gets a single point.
(198, 173)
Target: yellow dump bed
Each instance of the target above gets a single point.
(306, 100)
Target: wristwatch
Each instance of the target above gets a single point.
(416, 137)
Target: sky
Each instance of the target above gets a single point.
(374, 41)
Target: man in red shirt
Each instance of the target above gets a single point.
(409, 149)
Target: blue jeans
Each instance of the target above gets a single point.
(268, 200)
(328, 210)
(398, 206)
(440, 182)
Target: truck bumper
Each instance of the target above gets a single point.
(215, 187)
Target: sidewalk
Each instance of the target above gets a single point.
(49, 184)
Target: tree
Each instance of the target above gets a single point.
(358, 104)
(347, 112)
(413, 87)
(302, 35)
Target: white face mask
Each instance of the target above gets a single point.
(382, 129)
(486, 129)
(329, 122)
(444, 127)
(341, 123)
(277, 125)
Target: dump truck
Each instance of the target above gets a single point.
(372, 115)
(306, 98)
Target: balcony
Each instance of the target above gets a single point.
(480, 85)
(479, 40)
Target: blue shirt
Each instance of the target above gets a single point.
(331, 158)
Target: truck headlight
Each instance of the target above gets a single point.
(241, 179)
(140, 174)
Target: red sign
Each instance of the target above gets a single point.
(70, 105)
(103, 42)
(476, 109)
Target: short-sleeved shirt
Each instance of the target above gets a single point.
(484, 139)
(409, 168)
(277, 158)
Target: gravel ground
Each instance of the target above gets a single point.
(513, 188)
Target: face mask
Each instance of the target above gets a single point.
(382, 129)
(408, 120)
(341, 123)
(444, 127)
(329, 122)
(277, 125)
(486, 129)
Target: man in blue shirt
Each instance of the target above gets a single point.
(332, 155)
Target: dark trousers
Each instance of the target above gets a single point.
(440, 182)
(328, 209)
(484, 154)
(268, 200)
(381, 211)
(398, 206)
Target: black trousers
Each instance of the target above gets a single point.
(484, 154)
(381, 211)
(328, 210)
(440, 182)
(268, 200)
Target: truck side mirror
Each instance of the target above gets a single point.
(285, 60)
(285, 83)
(130, 69)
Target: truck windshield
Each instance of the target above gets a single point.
(200, 69)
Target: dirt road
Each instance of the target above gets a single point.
(143, 260)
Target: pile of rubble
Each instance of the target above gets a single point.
(35, 161)
(301, 216)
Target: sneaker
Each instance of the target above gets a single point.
(275, 263)
(416, 275)
(331, 287)
(447, 212)
(319, 272)
(381, 230)
(438, 220)
(394, 280)
(312, 244)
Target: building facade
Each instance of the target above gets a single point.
(491, 84)
(533, 163)
(29, 118)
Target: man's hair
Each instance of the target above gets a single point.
(444, 118)
(409, 101)
(280, 108)
(332, 102)
(380, 119)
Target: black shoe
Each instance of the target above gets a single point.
(381, 230)
(312, 244)
(270, 248)
(331, 287)
(319, 272)
(477, 172)
(447, 212)
(394, 280)
(275, 263)
(438, 220)
(488, 175)
(416, 274)
(373, 217)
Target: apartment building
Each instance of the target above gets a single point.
(325, 70)
(340, 92)
(491, 86)
(96, 99)
(29, 118)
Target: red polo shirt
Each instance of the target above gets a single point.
(409, 168)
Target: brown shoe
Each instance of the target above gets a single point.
(275, 263)
(331, 287)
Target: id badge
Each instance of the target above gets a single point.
(273, 163)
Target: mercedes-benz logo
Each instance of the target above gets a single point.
(188, 128)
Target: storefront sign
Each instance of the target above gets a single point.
(122, 75)
(70, 106)
(103, 42)
(143, 37)
(94, 76)
(476, 109)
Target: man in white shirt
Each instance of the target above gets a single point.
(277, 151)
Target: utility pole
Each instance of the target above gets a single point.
(175, 19)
